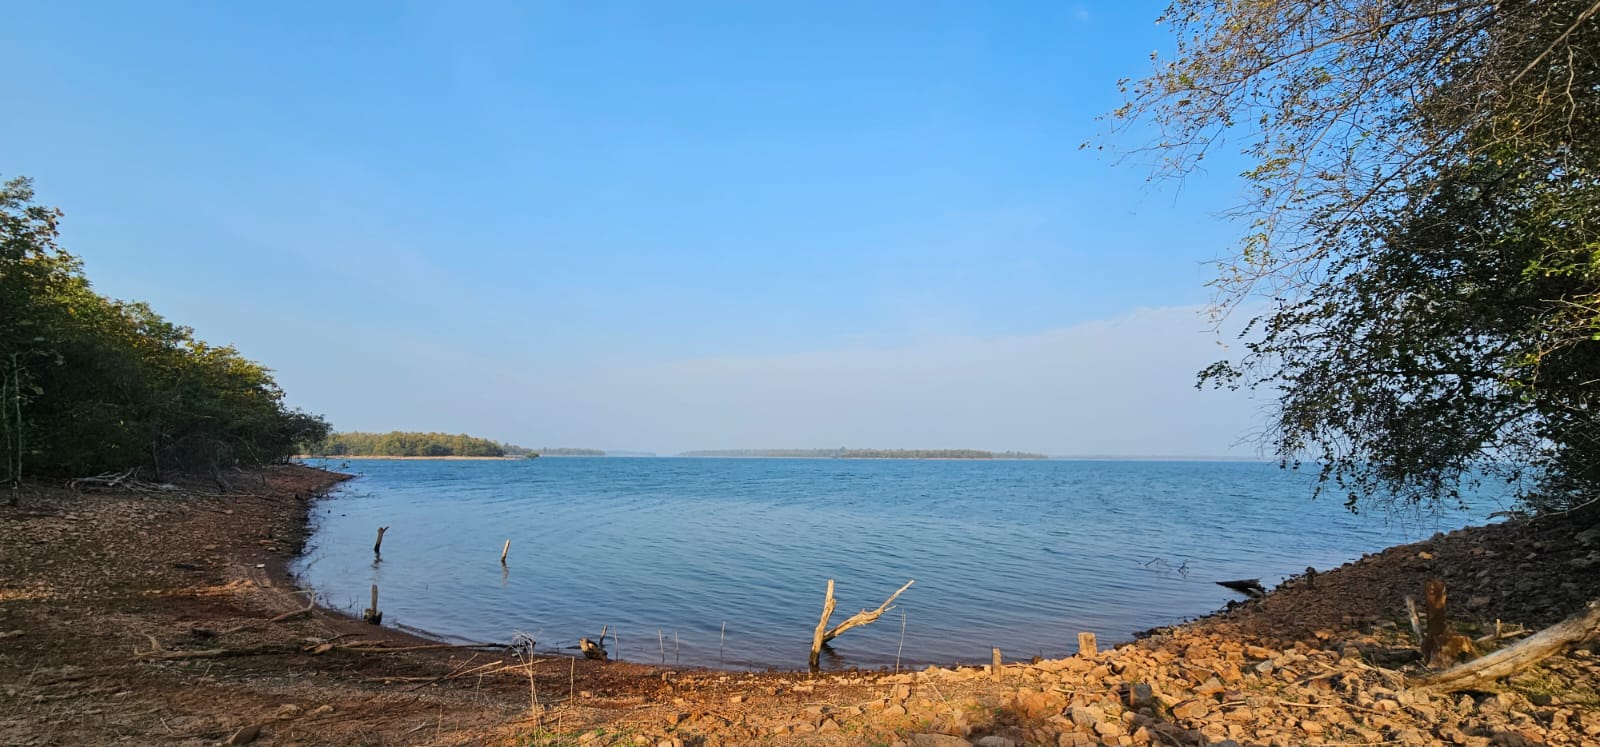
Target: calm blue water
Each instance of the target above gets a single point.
(1021, 555)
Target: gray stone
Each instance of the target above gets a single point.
(937, 740)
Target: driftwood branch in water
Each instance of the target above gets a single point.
(1479, 674)
(819, 637)
(864, 617)
(1250, 587)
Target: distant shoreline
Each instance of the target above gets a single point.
(347, 457)
(870, 459)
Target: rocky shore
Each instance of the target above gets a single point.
(137, 618)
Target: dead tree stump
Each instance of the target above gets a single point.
(595, 650)
(1440, 645)
(1087, 645)
(373, 615)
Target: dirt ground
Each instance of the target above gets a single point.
(131, 617)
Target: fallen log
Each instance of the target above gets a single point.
(160, 654)
(1250, 587)
(311, 604)
(1481, 673)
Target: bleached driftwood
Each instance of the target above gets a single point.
(1481, 673)
(823, 634)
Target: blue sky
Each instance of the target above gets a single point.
(656, 226)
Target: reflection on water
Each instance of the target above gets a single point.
(729, 558)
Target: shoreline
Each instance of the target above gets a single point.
(344, 458)
(175, 620)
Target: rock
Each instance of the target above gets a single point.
(1211, 686)
(996, 741)
(1411, 738)
(1140, 696)
(1035, 704)
(1191, 710)
(1257, 652)
(321, 710)
(936, 740)
(1086, 716)
(287, 711)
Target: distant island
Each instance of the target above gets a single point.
(415, 445)
(866, 454)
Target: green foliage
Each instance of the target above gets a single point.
(406, 444)
(93, 384)
(1425, 225)
(843, 453)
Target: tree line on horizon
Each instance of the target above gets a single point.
(843, 453)
(91, 384)
(419, 444)
(410, 444)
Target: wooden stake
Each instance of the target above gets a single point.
(377, 547)
(994, 664)
(1086, 645)
(817, 638)
(372, 614)
(504, 551)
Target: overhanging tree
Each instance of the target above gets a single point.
(1425, 226)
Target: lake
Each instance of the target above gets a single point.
(724, 562)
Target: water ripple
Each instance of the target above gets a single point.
(1020, 555)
